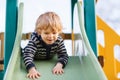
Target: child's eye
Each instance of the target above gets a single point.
(54, 32)
(46, 33)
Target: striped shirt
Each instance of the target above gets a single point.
(37, 49)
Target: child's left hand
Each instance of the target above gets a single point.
(58, 69)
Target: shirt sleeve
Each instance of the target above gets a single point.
(29, 52)
(62, 53)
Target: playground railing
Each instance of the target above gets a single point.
(1, 49)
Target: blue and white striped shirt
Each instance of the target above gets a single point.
(37, 49)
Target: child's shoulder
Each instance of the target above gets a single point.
(34, 34)
(59, 39)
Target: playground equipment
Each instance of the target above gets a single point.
(111, 65)
(80, 68)
(83, 67)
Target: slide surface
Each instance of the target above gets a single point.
(78, 67)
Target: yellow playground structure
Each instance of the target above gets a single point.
(95, 62)
(111, 65)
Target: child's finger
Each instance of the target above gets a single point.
(37, 76)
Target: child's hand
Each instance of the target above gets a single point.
(33, 73)
(58, 69)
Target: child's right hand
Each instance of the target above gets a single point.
(33, 73)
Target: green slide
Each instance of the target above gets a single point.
(78, 68)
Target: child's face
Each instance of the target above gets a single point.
(48, 36)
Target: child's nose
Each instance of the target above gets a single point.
(50, 35)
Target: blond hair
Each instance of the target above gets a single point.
(48, 20)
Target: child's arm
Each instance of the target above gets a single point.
(62, 54)
(28, 56)
(29, 52)
(62, 58)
